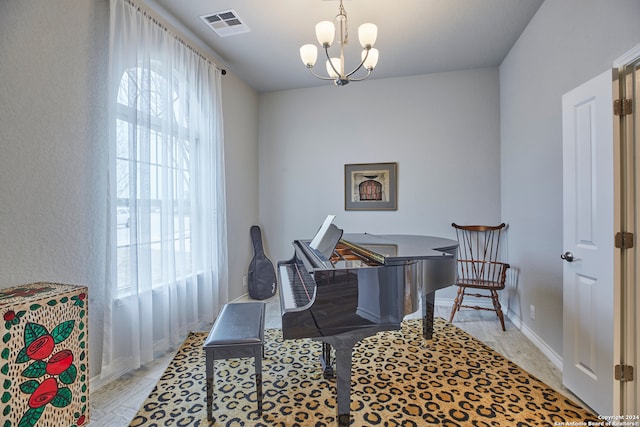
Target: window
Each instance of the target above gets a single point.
(167, 271)
(154, 177)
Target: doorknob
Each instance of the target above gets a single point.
(567, 256)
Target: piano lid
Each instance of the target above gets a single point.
(404, 247)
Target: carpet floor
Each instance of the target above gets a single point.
(398, 379)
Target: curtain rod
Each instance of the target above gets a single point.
(165, 25)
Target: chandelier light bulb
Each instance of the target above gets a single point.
(336, 63)
(367, 34)
(325, 33)
(372, 58)
(309, 55)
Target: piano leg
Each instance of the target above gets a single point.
(343, 345)
(428, 309)
(343, 380)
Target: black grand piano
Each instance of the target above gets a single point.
(339, 289)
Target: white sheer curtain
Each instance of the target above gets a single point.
(167, 238)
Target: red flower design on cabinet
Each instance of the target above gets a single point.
(57, 369)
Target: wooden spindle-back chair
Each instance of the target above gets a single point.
(478, 266)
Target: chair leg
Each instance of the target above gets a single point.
(457, 303)
(497, 307)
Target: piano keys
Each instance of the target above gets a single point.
(367, 284)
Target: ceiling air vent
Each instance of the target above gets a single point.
(225, 23)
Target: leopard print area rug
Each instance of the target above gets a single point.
(398, 379)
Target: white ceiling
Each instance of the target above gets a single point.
(414, 36)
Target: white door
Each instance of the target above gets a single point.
(588, 236)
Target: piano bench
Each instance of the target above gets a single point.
(237, 332)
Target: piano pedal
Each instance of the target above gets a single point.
(327, 363)
(328, 373)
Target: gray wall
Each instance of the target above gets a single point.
(566, 44)
(53, 168)
(53, 140)
(441, 129)
(240, 110)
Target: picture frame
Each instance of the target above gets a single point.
(371, 187)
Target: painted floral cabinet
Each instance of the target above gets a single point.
(44, 356)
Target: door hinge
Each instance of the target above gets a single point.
(623, 240)
(624, 373)
(622, 107)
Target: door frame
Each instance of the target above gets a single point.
(626, 197)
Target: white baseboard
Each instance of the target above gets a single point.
(240, 298)
(480, 302)
(554, 357)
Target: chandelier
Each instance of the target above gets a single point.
(325, 33)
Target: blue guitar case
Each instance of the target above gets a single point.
(262, 276)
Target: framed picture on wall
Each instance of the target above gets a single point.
(371, 187)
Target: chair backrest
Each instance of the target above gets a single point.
(478, 252)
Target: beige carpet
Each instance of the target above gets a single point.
(398, 379)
